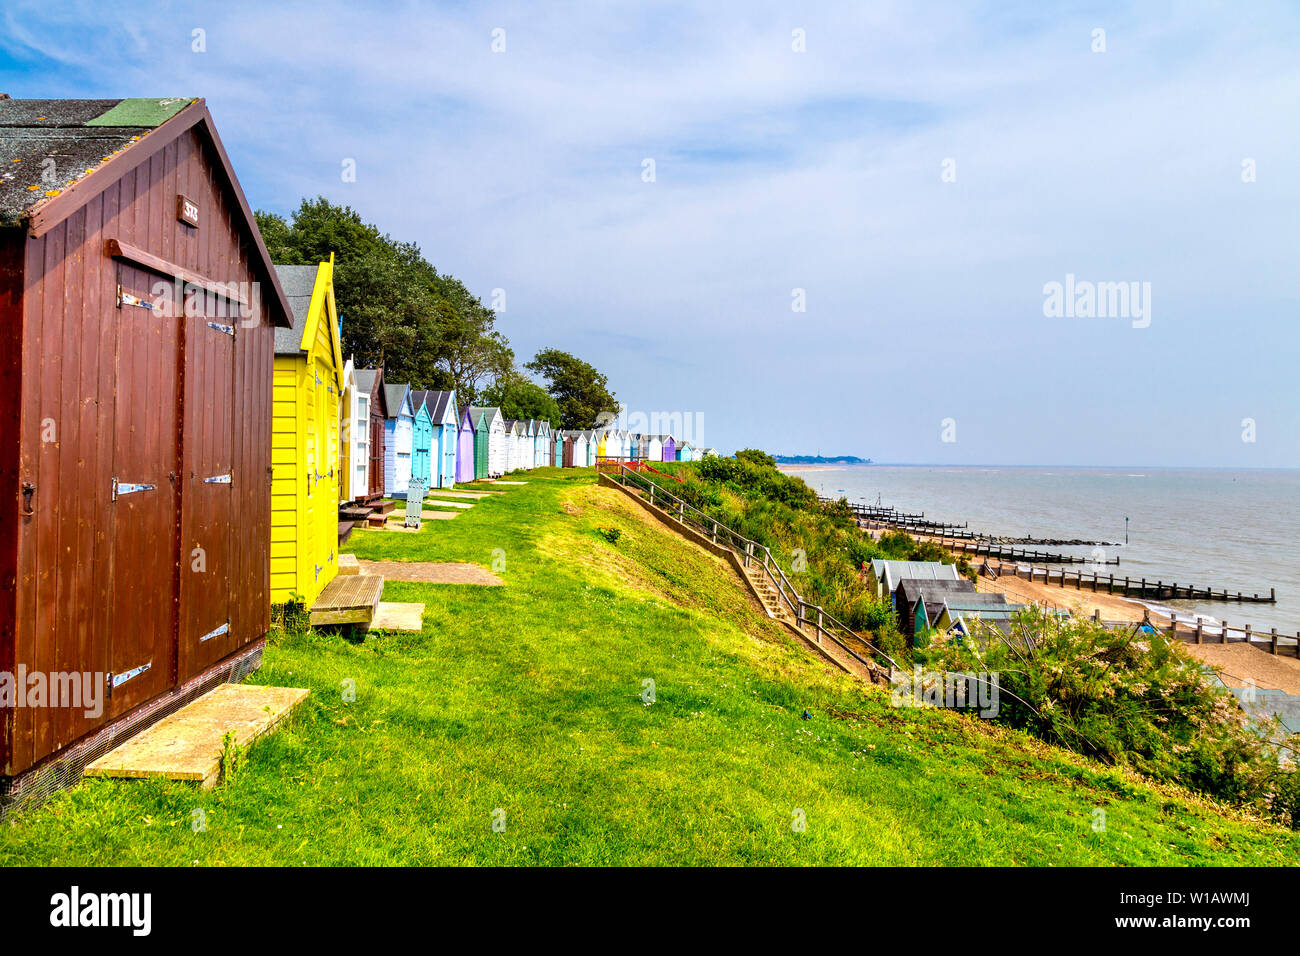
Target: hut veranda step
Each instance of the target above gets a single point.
(189, 744)
(348, 599)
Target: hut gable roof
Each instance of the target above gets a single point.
(892, 572)
(370, 383)
(491, 414)
(298, 283)
(365, 379)
(398, 400)
(913, 589)
(79, 136)
(442, 405)
(93, 143)
(310, 291)
(420, 403)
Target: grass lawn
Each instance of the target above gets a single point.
(524, 703)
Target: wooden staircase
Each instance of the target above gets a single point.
(370, 512)
(810, 631)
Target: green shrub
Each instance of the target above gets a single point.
(1130, 698)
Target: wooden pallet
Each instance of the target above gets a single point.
(348, 599)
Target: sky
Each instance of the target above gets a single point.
(846, 240)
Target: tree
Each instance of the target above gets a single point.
(520, 398)
(472, 350)
(757, 456)
(397, 310)
(581, 392)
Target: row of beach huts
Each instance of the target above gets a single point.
(389, 435)
(181, 435)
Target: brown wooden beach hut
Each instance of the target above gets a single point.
(137, 302)
(370, 383)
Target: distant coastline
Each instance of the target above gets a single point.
(820, 460)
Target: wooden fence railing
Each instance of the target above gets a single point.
(606, 464)
(754, 556)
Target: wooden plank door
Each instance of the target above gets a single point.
(145, 495)
(207, 482)
(376, 455)
(325, 507)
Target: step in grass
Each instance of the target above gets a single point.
(529, 704)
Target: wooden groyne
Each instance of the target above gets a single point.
(990, 548)
(1269, 641)
(879, 516)
(1010, 553)
(1126, 587)
(885, 512)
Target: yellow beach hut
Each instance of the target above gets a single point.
(305, 446)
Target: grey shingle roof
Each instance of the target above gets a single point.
(393, 395)
(491, 411)
(436, 400)
(929, 588)
(47, 145)
(365, 379)
(298, 283)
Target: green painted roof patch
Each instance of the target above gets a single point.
(142, 111)
(48, 145)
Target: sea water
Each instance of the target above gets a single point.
(1218, 528)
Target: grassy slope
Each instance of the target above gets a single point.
(526, 698)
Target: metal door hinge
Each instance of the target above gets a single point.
(225, 329)
(117, 680)
(223, 629)
(126, 298)
(217, 480)
(128, 488)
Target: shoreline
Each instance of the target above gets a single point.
(1236, 663)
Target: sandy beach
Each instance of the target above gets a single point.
(1236, 663)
